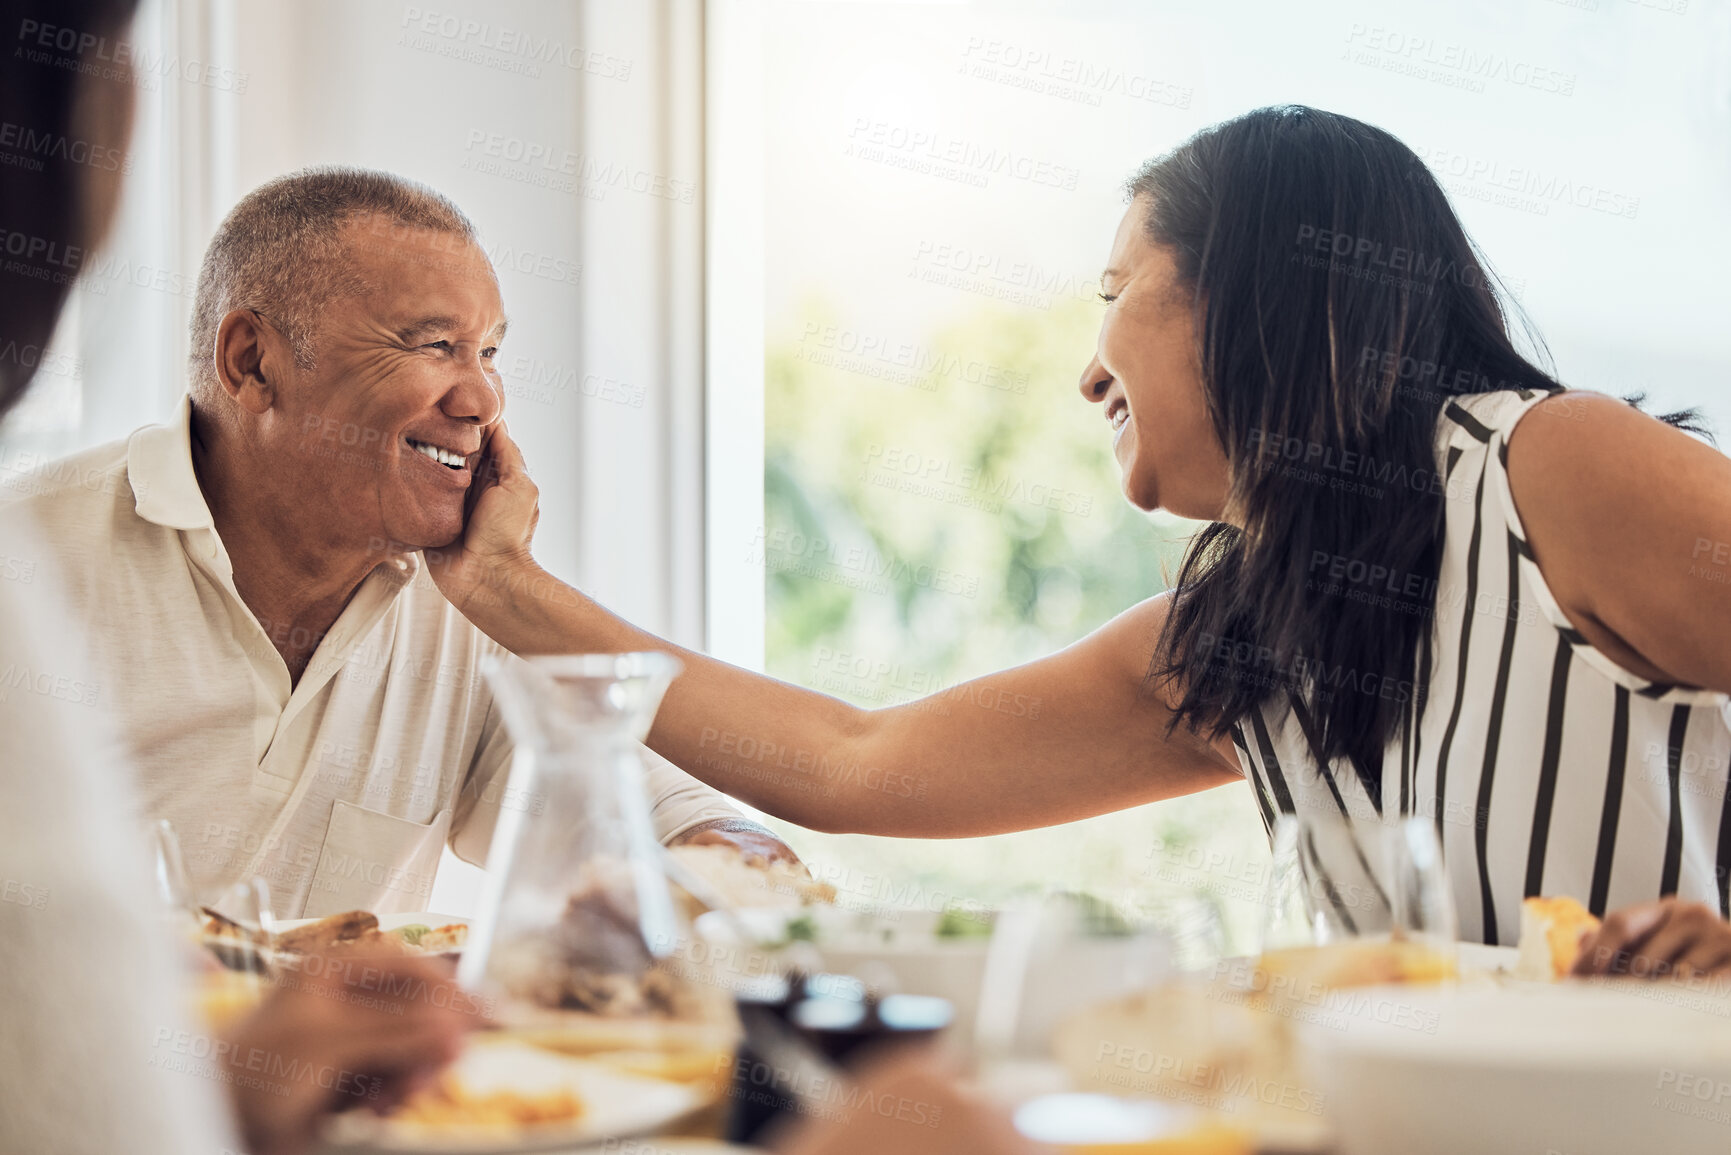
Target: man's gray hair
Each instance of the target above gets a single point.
(279, 251)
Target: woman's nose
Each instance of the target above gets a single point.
(1095, 381)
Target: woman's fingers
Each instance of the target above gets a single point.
(1608, 950)
(1685, 928)
(1658, 940)
(500, 513)
(1696, 940)
(507, 457)
(506, 505)
(1711, 955)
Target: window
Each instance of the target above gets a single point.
(918, 198)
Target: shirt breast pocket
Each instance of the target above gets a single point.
(375, 861)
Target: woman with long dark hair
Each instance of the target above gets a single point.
(1435, 583)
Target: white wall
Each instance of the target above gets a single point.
(440, 92)
(570, 132)
(557, 128)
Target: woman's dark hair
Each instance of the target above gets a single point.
(45, 190)
(1341, 306)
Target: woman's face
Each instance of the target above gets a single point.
(1147, 377)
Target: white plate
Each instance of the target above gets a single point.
(1589, 1069)
(616, 1105)
(1477, 957)
(386, 921)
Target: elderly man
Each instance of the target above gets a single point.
(300, 700)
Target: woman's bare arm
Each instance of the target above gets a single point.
(1630, 522)
(1072, 735)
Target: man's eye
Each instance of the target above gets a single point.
(1107, 297)
(444, 346)
(489, 352)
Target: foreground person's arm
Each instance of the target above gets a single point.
(344, 1034)
(1072, 735)
(912, 1105)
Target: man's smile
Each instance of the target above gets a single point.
(452, 459)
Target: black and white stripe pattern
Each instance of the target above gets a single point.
(1547, 768)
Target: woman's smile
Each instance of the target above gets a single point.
(1118, 413)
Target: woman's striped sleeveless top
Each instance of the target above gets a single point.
(1547, 768)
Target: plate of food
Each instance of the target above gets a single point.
(239, 963)
(1547, 1062)
(352, 933)
(1231, 1043)
(360, 932)
(504, 1097)
(1591, 1068)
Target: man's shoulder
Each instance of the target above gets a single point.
(54, 488)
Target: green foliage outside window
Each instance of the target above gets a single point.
(936, 511)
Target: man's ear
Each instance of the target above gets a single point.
(250, 357)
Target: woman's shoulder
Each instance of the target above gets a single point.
(1623, 514)
(1481, 417)
(1582, 447)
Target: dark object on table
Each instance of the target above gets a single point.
(838, 1019)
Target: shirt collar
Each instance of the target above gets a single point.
(159, 465)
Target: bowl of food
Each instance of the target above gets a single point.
(1590, 1068)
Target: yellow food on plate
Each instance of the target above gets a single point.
(1094, 1124)
(1551, 930)
(451, 937)
(672, 1050)
(680, 1066)
(1192, 1042)
(496, 1086)
(224, 996)
(1227, 1044)
(1208, 1139)
(1366, 962)
(449, 1106)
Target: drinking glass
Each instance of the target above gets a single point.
(1051, 956)
(1336, 877)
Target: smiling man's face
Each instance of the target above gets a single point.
(382, 434)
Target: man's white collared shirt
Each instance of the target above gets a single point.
(339, 790)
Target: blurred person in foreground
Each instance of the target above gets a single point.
(1434, 583)
(96, 1051)
(316, 713)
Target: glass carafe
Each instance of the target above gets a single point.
(577, 943)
